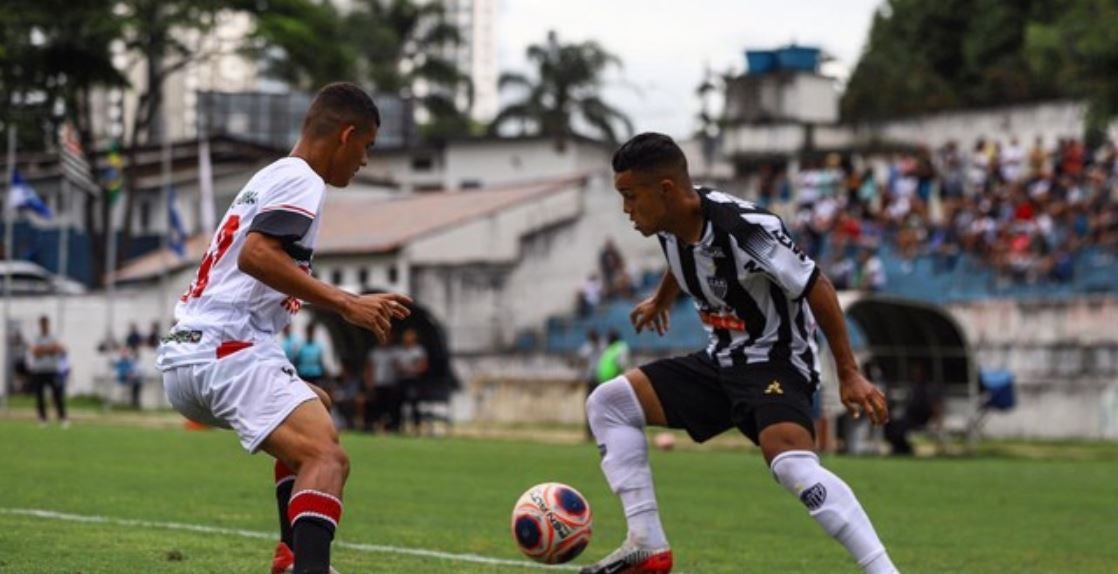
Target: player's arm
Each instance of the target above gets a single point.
(857, 393)
(654, 312)
(264, 258)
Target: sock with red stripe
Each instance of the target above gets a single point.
(314, 518)
(285, 480)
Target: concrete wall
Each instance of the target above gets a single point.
(1051, 121)
(491, 279)
(1065, 356)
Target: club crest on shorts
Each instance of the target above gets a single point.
(718, 286)
(814, 497)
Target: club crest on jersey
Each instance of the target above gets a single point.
(718, 286)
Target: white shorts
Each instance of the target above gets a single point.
(250, 391)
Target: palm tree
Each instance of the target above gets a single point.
(567, 85)
(408, 49)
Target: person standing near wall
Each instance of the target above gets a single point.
(45, 362)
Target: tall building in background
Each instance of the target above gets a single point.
(477, 56)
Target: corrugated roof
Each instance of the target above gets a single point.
(353, 224)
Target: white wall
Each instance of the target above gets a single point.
(1065, 357)
(495, 162)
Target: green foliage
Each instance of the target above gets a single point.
(52, 53)
(930, 56)
(566, 87)
(301, 43)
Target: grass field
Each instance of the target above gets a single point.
(723, 511)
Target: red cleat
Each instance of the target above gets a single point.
(632, 559)
(284, 560)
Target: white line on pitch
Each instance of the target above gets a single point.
(378, 548)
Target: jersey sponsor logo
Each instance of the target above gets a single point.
(247, 197)
(814, 497)
(774, 388)
(182, 336)
(723, 321)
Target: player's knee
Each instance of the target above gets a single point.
(784, 437)
(793, 469)
(614, 402)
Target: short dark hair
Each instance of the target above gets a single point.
(340, 104)
(649, 151)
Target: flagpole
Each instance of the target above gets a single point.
(9, 254)
(63, 253)
(165, 195)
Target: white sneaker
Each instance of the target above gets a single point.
(65, 424)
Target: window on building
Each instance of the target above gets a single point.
(393, 274)
(363, 277)
(336, 276)
(422, 163)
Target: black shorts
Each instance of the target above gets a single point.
(705, 399)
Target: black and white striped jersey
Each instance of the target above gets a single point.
(749, 282)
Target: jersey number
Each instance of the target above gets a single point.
(222, 241)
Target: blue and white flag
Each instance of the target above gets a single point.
(22, 196)
(176, 233)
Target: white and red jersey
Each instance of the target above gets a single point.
(224, 305)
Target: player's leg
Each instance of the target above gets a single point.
(307, 443)
(787, 444)
(618, 412)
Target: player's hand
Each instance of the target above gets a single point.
(651, 314)
(860, 396)
(376, 312)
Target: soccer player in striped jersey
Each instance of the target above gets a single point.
(221, 363)
(760, 299)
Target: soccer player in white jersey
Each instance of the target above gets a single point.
(221, 363)
(760, 299)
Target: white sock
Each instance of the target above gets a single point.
(833, 505)
(617, 421)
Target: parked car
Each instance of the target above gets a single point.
(30, 279)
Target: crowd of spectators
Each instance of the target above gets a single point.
(1024, 212)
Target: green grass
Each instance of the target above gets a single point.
(722, 510)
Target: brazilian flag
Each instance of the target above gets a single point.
(113, 176)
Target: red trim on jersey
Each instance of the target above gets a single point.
(289, 207)
(283, 473)
(314, 504)
(229, 347)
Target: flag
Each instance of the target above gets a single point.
(176, 233)
(75, 168)
(113, 176)
(22, 196)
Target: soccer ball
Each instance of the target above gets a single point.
(551, 523)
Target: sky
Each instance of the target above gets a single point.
(665, 45)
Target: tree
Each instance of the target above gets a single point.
(565, 90)
(167, 36)
(301, 43)
(929, 56)
(408, 48)
(1077, 47)
(53, 54)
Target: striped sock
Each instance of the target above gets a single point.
(314, 518)
(285, 480)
